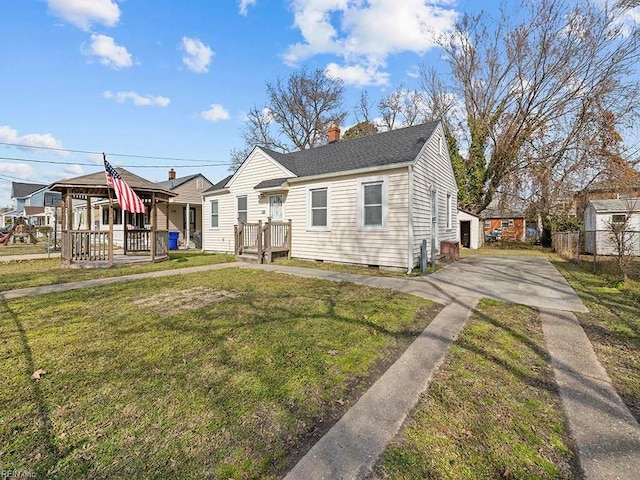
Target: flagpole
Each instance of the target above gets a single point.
(104, 158)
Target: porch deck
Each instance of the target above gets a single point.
(261, 243)
(95, 249)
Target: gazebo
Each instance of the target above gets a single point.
(95, 247)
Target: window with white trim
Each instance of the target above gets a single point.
(372, 204)
(319, 206)
(214, 214)
(241, 208)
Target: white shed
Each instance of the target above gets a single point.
(470, 231)
(601, 215)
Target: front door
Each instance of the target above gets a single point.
(192, 219)
(275, 207)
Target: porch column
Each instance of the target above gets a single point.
(154, 226)
(187, 233)
(110, 231)
(69, 202)
(89, 219)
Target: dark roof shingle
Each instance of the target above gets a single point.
(386, 148)
(218, 186)
(176, 182)
(21, 190)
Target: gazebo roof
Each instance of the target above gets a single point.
(95, 184)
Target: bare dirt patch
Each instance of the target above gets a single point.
(170, 303)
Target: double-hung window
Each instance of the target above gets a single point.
(241, 209)
(372, 203)
(214, 213)
(319, 207)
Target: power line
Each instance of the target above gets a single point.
(55, 149)
(56, 162)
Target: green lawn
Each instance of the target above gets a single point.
(492, 410)
(34, 273)
(224, 374)
(21, 248)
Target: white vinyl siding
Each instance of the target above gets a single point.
(214, 214)
(255, 170)
(433, 172)
(345, 242)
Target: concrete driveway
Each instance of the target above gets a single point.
(530, 281)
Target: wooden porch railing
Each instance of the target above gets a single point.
(78, 245)
(263, 240)
(137, 241)
(162, 243)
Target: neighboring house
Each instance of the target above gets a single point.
(601, 217)
(369, 201)
(33, 201)
(510, 224)
(470, 230)
(185, 209)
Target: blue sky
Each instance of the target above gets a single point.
(174, 78)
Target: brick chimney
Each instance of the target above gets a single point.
(172, 174)
(334, 133)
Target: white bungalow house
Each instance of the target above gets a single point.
(369, 201)
(601, 217)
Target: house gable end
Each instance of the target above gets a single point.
(259, 155)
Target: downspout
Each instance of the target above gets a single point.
(410, 223)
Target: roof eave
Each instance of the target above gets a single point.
(358, 171)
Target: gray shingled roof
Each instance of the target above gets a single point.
(276, 182)
(498, 213)
(21, 190)
(218, 186)
(176, 182)
(621, 205)
(386, 148)
(99, 179)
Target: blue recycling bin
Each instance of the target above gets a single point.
(173, 240)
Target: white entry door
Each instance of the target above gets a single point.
(275, 207)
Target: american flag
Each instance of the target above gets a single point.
(127, 198)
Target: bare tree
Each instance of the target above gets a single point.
(624, 240)
(534, 83)
(360, 129)
(297, 115)
(363, 109)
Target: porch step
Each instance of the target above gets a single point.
(248, 258)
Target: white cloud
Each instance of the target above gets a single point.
(110, 54)
(137, 99)
(359, 75)
(366, 33)
(30, 141)
(18, 170)
(75, 170)
(84, 13)
(244, 6)
(197, 55)
(216, 112)
(414, 71)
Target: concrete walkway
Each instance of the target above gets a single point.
(606, 435)
(29, 256)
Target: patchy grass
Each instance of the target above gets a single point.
(21, 248)
(234, 384)
(35, 273)
(612, 325)
(492, 410)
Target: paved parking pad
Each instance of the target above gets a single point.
(532, 281)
